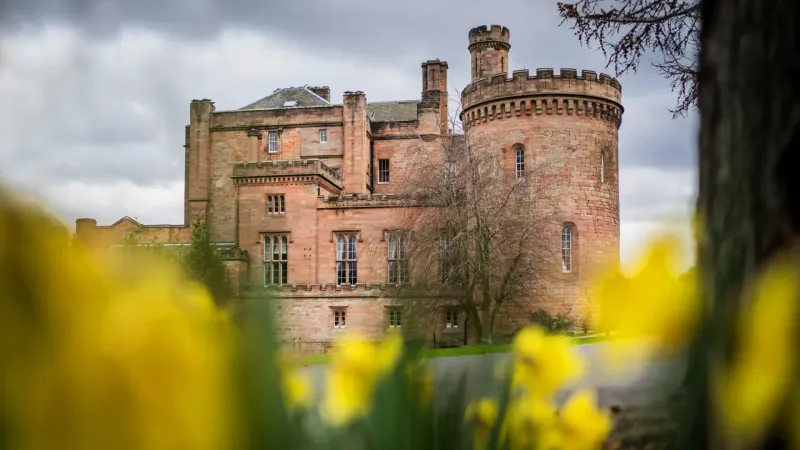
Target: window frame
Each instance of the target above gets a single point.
(395, 317)
(400, 239)
(384, 172)
(602, 167)
(519, 163)
(323, 135)
(276, 204)
(448, 323)
(272, 145)
(567, 248)
(339, 318)
(346, 252)
(276, 271)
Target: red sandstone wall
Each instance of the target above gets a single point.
(566, 147)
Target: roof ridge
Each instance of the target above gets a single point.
(393, 101)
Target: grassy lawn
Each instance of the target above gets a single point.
(322, 358)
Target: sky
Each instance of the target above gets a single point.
(95, 93)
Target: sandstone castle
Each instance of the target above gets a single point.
(300, 191)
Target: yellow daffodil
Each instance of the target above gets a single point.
(531, 422)
(750, 392)
(421, 379)
(544, 363)
(355, 369)
(296, 388)
(99, 356)
(582, 425)
(482, 414)
(653, 302)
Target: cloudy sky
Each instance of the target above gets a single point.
(96, 92)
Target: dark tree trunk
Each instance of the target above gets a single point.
(749, 197)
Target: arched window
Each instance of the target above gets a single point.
(520, 163)
(602, 167)
(566, 248)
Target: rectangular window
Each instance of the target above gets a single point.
(276, 260)
(383, 171)
(323, 136)
(272, 142)
(276, 204)
(346, 259)
(394, 318)
(566, 249)
(339, 318)
(398, 257)
(520, 164)
(451, 319)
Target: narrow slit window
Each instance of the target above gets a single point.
(566, 249)
(602, 167)
(520, 164)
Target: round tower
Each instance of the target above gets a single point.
(561, 128)
(488, 49)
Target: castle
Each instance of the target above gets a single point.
(301, 192)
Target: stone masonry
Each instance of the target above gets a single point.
(295, 169)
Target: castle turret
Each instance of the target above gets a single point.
(488, 48)
(559, 128)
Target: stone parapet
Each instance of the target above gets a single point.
(299, 170)
(544, 83)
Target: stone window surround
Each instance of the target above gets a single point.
(339, 317)
(282, 272)
(384, 172)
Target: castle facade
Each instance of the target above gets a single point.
(301, 193)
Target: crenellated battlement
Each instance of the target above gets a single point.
(495, 34)
(545, 82)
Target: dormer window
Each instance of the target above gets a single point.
(289, 103)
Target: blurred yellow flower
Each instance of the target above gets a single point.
(653, 303)
(355, 369)
(750, 392)
(482, 414)
(297, 388)
(421, 379)
(582, 425)
(531, 422)
(544, 363)
(98, 356)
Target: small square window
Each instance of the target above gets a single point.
(394, 318)
(383, 171)
(451, 319)
(323, 136)
(339, 318)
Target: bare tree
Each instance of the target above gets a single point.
(627, 32)
(479, 237)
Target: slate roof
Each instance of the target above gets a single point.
(398, 111)
(301, 95)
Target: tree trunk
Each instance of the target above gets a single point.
(749, 150)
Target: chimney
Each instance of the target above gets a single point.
(322, 91)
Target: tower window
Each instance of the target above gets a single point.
(272, 142)
(566, 249)
(520, 164)
(383, 171)
(323, 136)
(602, 167)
